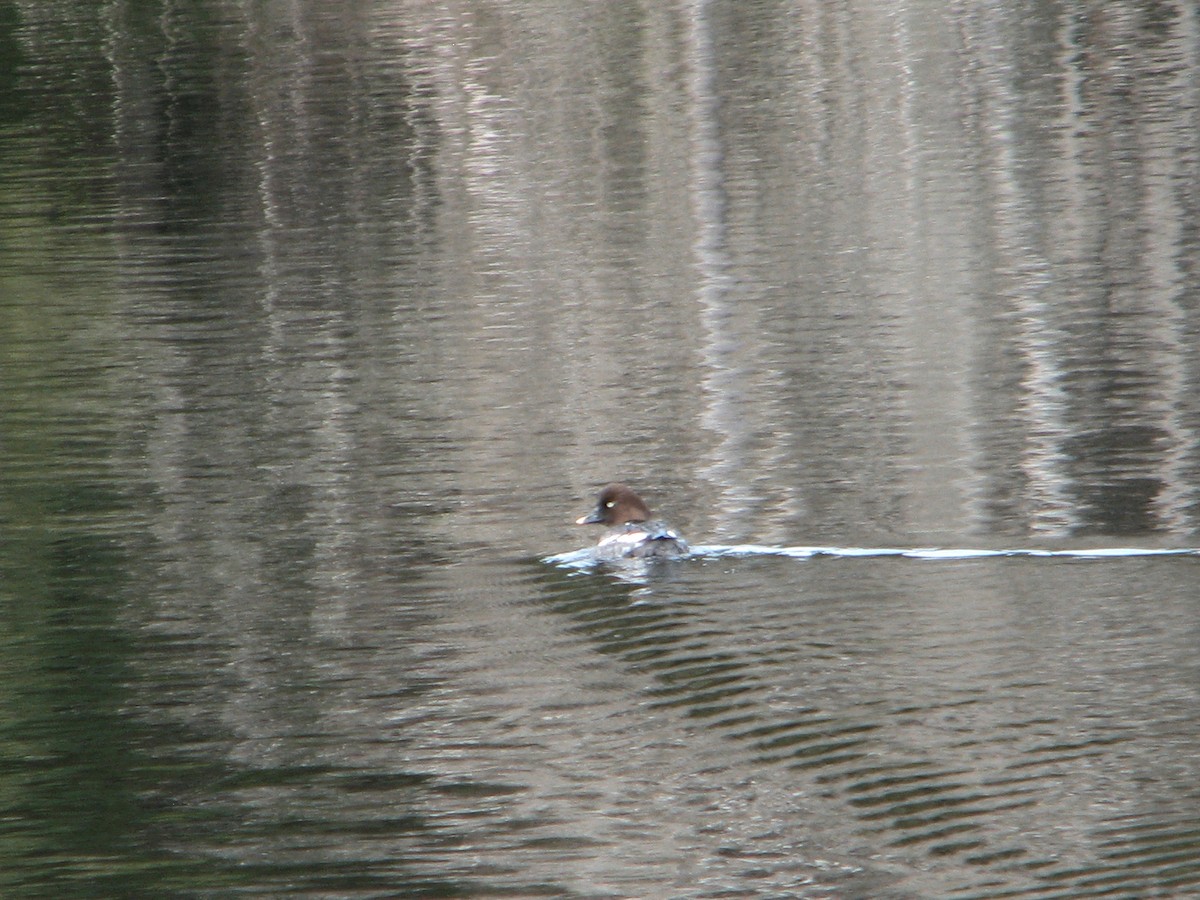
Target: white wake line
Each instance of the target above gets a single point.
(719, 550)
(586, 559)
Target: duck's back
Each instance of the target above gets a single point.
(643, 540)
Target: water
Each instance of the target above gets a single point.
(321, 323)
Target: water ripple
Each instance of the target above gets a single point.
(945, 728)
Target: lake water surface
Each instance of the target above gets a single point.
(320, 323)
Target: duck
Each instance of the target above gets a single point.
(632, 534)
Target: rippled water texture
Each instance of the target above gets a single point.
(321, 323)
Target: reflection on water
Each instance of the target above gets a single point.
(319, 322)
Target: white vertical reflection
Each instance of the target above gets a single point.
(722, 381)
(1042, 403)
(1165, 276)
